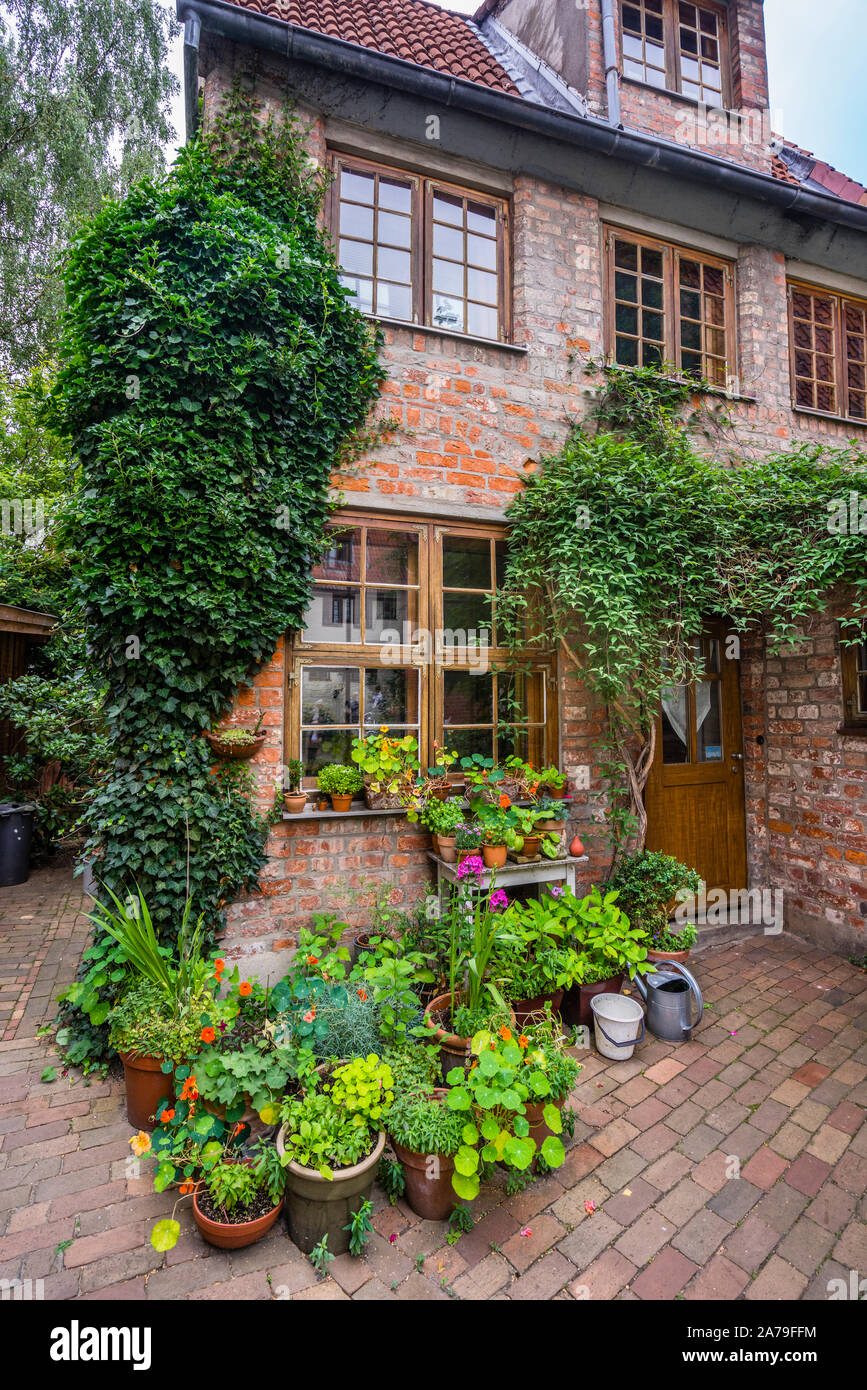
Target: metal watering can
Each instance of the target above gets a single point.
(668, 997)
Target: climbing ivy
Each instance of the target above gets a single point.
(628, 538)
(212, 375)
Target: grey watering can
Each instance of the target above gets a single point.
(668, 997)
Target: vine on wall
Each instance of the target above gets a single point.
(624, 542)
(213, 374)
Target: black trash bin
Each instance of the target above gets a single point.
(16, 832)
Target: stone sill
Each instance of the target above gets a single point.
(825, 415)
(519, 348)
(853, 730)
(354, 813)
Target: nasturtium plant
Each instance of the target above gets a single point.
(212, 376)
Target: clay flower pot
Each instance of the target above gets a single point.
(533, 1113)
(557, 793)
(146, 1085)
(494, 856)
(454, 1050)
(430, 1197)
(556, 825)
(680, 956)
(532, 844)
(294, 802)
(233, 1235)
(317, 1206)
(235, 750)
(447, 852)
(340, 803)
(523, 1008)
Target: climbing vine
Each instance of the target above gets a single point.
(213, 373)
(629, 538)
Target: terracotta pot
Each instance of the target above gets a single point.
(556, 825)
(340, 803)
(146, 1085)
(494, 856)
(576, 1001)
(234, 750)
(317, 1206)
(538, 1129)
(680, 956)
(447, 852)
(434, 839)
(468, 854)
(557, 793)
(454, 1050)
(441, 793)
(360, 943)
(233, 1235)
(429, 1197)
(524, 1007)
(294, 802)
(323, 803)
(532, 844)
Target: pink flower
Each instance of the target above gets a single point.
(392, 1240)
(527, 1231)
(498, 901)
(309, 1016)
(556, 890)
(472, 865)
(589, 1207)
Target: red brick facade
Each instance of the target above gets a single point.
(471, 418)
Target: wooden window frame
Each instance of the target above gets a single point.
(424, 189)
(672, 253)
(671, 43)
(839, 302)
(430, 618)
(850, 658)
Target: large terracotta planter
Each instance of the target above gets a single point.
(533, 1114)
(576, 1002)
(233, 1235)
(523, 1008)
(431, 1197)
(294, 802)
(146, 1085)
(317, 1206)
(494, 856)
(454, 1050)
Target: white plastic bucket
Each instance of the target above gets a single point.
(618, 1024)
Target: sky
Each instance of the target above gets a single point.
(817, 55)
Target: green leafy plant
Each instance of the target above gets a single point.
(606, 942)
(391, 1175)
(339, 780)
(320, 1257)
(294, 773)
(363, 1088)
(359, 1227)
(534, 955)
(649, 884)
(425, 1125)
(492, 1097)
(251, 1075)
(389, 764)
(317, 1134)
(439, 817)
(144, 1022)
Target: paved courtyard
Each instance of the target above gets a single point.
(730, 1167)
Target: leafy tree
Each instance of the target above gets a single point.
(84, 100)
(37, 474)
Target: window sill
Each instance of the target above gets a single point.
(697, 387)
(853, 730)
(728, 111)
(825, 415)
(497, 343)
(355, 812)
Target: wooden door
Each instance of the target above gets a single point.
(695, 793)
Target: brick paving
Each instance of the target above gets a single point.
(733, 1166)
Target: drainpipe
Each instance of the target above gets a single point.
(192, 32)
(612, 71)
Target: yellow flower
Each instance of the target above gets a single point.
(140, 1143)
(383, 728)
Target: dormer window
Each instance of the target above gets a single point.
(677, 47)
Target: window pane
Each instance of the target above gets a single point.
(448, 313)
(356, 221)
(708, 722)
(374, 242)
(342, 557)
(482, 252)
(448, 278)
(391, 697)
(395, 194)
(387, 614)
(334, 615)
(448, 242)
(482, 286)
(356, 256)
(675, 737)
(393, 301)
(321, 746)
(359, 187)
(466, 619)
(393, 230)
(483, 321)
(465, 742)
(468, 698)
(392, 557)
(329, 695)
(466, 562)
(362, 290)
(481, 219)
(447, 209)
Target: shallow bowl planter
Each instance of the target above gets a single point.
(233, 1235)
(294, 802)
(681, 957)
(576, 1001)
(223, 749)
(523, 1008)
(146, 1085)
(317, 1206)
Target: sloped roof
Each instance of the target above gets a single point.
(410, 29)
(796, 165)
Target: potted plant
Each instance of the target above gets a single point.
(523, 838)
(552, 782)
(483, 779)
(495, 820)
(535, 961)
(548, 1052)
(237, 742)
(294, 799)
(649, 887)
(341, 783)
(431, 783)
(549, 815)
(238, 1201)
(425, 1135)
(330, 1144)
(493, 1096)
(468, 840)
(608, 945)
(442, 819)
(389, 766)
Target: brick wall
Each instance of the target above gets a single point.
(471, 418)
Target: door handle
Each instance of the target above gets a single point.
(739, 756)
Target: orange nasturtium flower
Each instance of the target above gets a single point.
(189, 1092)
(166, 1116)
(383, 728)
(140, 1143)
(245, 988)
(208, 1035)
(505, 801)
(362, 995)
(312, 960)
(506, 1033)
(523, 1041)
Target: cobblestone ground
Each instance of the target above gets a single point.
(775, 1077)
